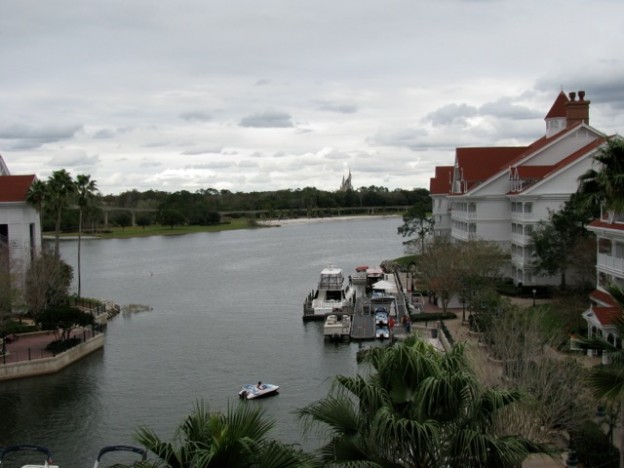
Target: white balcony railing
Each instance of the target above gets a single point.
(609, 262)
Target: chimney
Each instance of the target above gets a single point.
(577, 111)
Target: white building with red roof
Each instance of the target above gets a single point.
(20, 227)
(604, 311)
(499, 194)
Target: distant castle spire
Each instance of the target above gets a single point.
(346, 183)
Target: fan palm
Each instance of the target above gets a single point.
(237, 438)
(60, 188)
(420, 408)
(85, 192)
(606, 185)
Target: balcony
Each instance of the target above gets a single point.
(608, 262)
(521, 216)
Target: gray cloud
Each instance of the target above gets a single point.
(505, 108)
(23, 136)
(194, 152)
(342, 108)
(451, 114)
(196, 116)
(267, 119)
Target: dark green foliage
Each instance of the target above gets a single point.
(59, 346)
(432, 316)
(64, 317)
(593, 447)
(555, 241)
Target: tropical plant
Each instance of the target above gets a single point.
(605, 186)
(419, 407)
(36, 196)
(86, 190)
(60, 189)
(237, 438)
(556, 242)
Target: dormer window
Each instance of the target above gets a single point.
(554, 125)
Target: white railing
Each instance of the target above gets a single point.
(610, 262)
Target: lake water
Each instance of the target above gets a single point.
(226, 310)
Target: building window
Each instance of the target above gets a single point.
(604, 246)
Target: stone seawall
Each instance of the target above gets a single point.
(49, 365)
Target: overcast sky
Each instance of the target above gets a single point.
(277, 94)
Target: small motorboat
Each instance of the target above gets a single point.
(32, 448)
(120, 448)
(382, 333)
(381, 318)
(251, 391)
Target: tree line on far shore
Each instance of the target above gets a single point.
(203, 207)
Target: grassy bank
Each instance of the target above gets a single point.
(157, 230)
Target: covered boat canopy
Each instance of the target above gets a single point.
(384, 285)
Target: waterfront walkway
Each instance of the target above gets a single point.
(31, 346)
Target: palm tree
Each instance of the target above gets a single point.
(419, 407)
(237, 438)
(606, 185)
(85, 191)
(37, 196)
(60, 187)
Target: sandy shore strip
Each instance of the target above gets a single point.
(291, 221)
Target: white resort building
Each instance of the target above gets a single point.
(20, 228)
(500, 193)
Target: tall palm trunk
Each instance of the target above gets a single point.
(57, 233)
(79, 245)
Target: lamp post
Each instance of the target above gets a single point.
(534, 291)
(463, 306)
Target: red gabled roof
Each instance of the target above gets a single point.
(598, 223)
(558, 108)
(541, 172)
(479, 164)
(441, 183)
(15, 188)
(602, 297)
(607, 315)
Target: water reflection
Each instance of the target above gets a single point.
(226, 310)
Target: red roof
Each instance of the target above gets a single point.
(541, 172)
(558, 108)
(479, 164)
(607, 315)
(15, 188)
(441, 183)
(598, 223)
(603, 297)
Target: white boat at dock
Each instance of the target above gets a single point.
(334, 295)
(337, 329)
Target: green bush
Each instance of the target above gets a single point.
(432, 316)
(593, 447)
(13, 327)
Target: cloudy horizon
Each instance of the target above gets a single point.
(281, 94)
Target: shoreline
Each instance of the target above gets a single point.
(295, 221)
